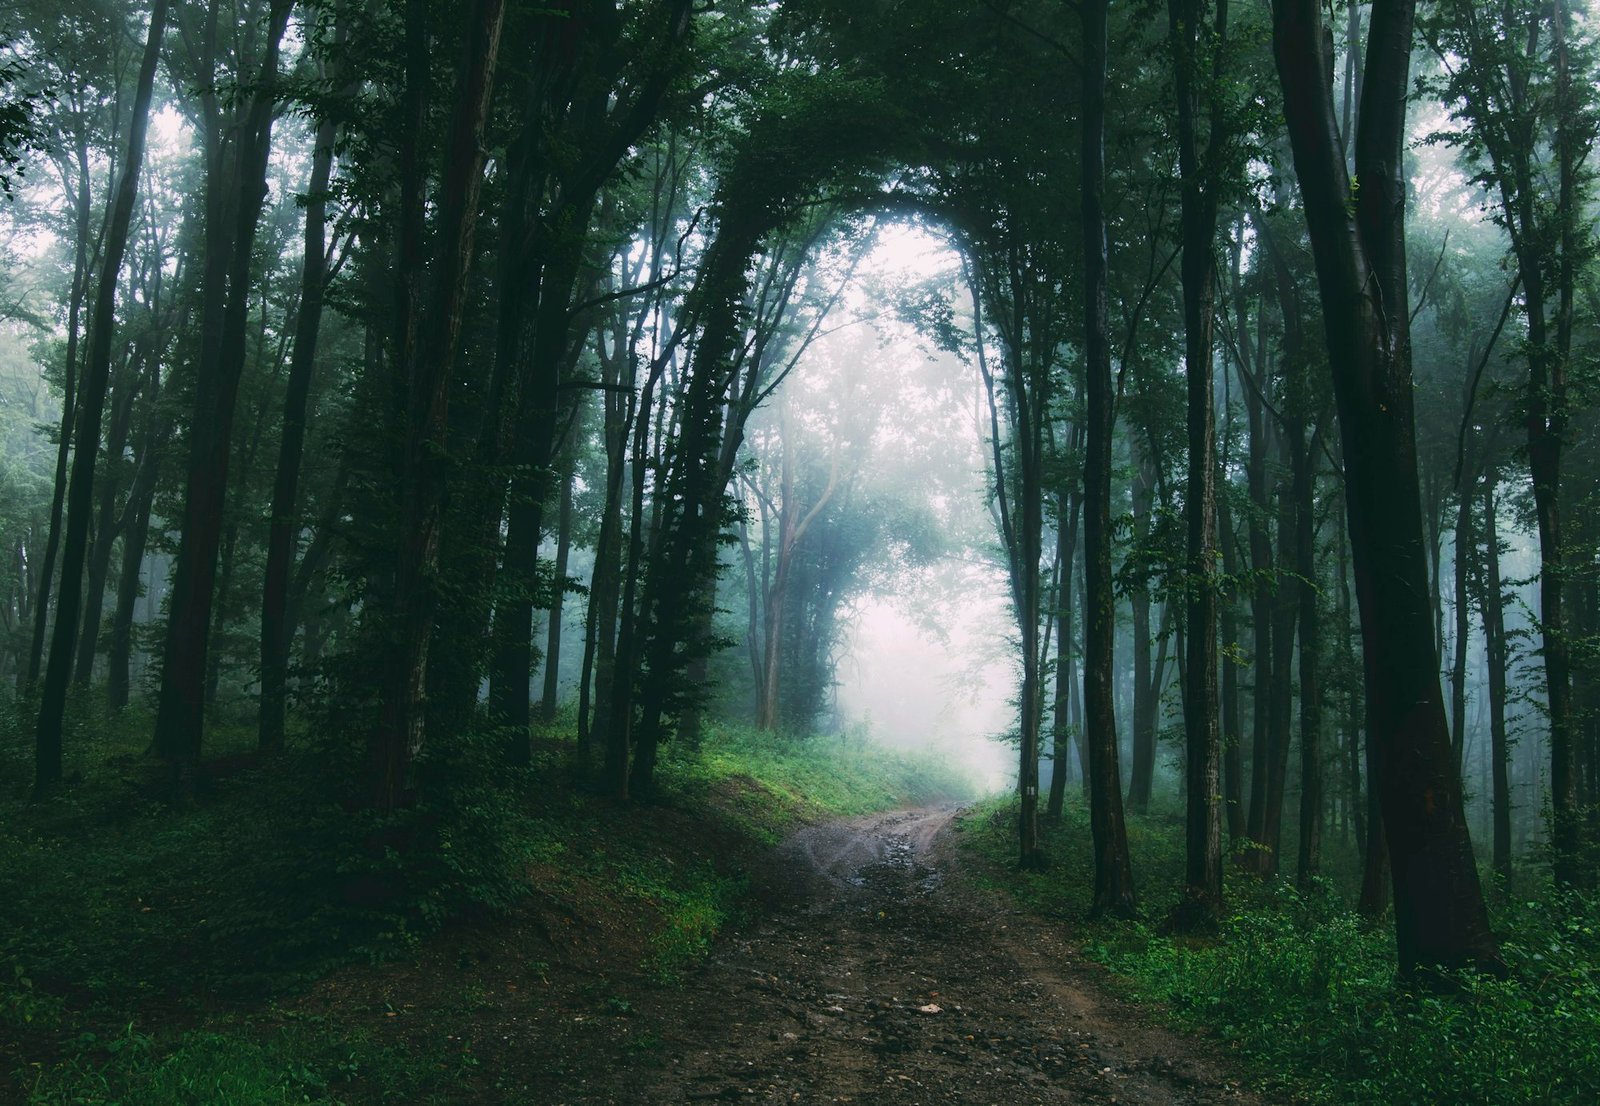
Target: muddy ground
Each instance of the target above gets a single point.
(882, 974)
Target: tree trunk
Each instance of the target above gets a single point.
(618, 707)
(1113, 883)
(697, 678)
(80, 285)
(1494, 636)
(511, 660)
(106, 528)
(1202, 901)
(1146, 692)
(552, 649)
(1375, 875)
(1285, 609)
(1299, 608)
(1305, 483)
(284, 521)
(1031, 407)
(550, 198)
(1461, 559)
(600, 629)
(135, 535)
(1440, 917)
(1352, 700)
(1018, 499)
(180, 713)
(1586, 697)
(681, 576)
(1261, 620)
(91, 405)
(1067, 507)
(1352, 84)
(511, 667)
(1546, 422)
(428, 372)
(1432, 508)
(219, 610)
(1232, 725)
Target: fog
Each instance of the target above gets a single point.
(949, 696)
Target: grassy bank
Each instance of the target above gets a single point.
(1304, 991)
(154, 955)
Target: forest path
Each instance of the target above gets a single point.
(884, 975)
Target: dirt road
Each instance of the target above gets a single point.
(884, 976)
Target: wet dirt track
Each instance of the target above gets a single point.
(883, 976)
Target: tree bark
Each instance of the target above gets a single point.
(80, 284)
(1261, 620)
(135, 535)
(1297, 531)
(511, 660)
(1232, 725)
(1519, 129)
(1352, 715)
(552, 646)
(1461, 559)
(220, 607)
(1494, 636)
(180, 713)
(283, 522)
(600, 629)
(1068, 505)
(106, 528)
(1146, 692)
(1546, 422)
(1113, 883)
(681, 576)
(1202, 894)
(1305, 482)
(398, 735)
(91, 405)
(1440, 917)
(1285, 614)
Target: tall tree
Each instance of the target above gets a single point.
(1200, 168)
(1492, 604)
(236, 191)
(1113, 883)
(426, 365)
(1019, 500)
(283, 522)
(548, 700)
(90, 409)
(82, 56)
(1440, 917)
(1530, 127)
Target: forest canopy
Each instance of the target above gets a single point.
(404, 397)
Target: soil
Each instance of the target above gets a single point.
(882, 973)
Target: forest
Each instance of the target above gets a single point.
(521, 517)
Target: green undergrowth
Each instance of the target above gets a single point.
(813, 777)
(148, 949)
(1304, 991)
(235, 1062)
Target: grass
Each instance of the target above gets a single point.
(235, 1065)
(1305, 993)
(150, 954)
(813, 776)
